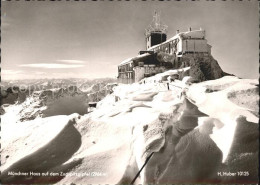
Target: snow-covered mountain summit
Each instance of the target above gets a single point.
(195, 133)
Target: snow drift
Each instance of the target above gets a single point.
(110, 144)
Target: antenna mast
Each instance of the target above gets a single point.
(156, 25)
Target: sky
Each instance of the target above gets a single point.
(88, 39)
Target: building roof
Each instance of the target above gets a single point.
(193, 34)
(134, 58)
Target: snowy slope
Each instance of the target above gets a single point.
(110, 144)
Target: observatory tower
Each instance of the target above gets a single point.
(156, 33)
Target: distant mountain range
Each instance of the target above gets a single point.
(17, 90)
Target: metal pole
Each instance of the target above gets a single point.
(146, 161)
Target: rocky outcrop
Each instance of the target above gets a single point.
(61, 101)
(99, 91)
(203, 68)
(13, 95)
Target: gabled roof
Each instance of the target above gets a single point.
(134, 58)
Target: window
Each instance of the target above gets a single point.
(140, 64)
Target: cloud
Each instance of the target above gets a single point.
(71, 61)
(52, 66)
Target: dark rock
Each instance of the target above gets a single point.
(203, 68)
(13, 94)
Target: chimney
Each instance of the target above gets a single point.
(177, 31)
(190, 29)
